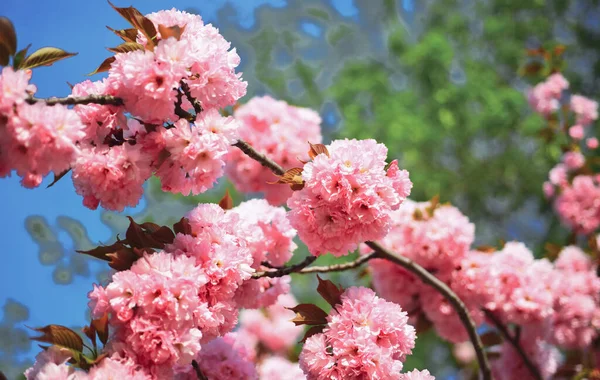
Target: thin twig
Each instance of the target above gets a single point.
(445, 291)
(514, 341)
(286, 270)
(188, 94)
(180, 111)
(199, 373)
(79, 100)
(261, 158)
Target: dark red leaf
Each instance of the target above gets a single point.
(330, 291)
(308, 314)
(101, 327)
(226, 202)
(183, 227)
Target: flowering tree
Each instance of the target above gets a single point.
(209, 297)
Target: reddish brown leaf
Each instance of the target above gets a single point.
(102, 252)
(126, 47)
(226, 202)
(2, 376)
(170, 31)
(312, 331)
(330, 291)
(316, 149)
(4, 55)
(552, 250)
(308, 314)
(148, 235)
(418, 214)
(8, 36)
(486, 249)
(128, 35)
(183, 227)
(45, 56)
(59, 335)
(104, 66)
(491, 338)
(433, 205)
(90, 332)
(292, 177)
(559, 50)
(122, 259)
(533, 68)
(138, 21)
(101, 327)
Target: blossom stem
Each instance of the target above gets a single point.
(199, 373)
(79, 100)
(514, 341)
(261, 158)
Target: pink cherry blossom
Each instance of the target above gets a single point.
(365, 337)
(278, 368)
(281, 132)
(415, 374)
(544, 98)
(586, 110)
(591, 143)
(573, 160)
(111, 177)
(578, 205)
(576, 132)
(51, 364)
(272, 327)
(347, 197)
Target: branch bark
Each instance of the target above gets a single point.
(198, 371)
(280, 272)
(261, 158)
(78, 100)
(514, 341)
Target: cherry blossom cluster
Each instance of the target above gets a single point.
(113, 149)
(572, 184)
(438, 238)
(347, 197)
(365, 337)
(278, 130)
(35, 140)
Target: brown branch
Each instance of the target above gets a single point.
(286, 270)
(188, 94)
(79, 100)
(180, 111)
(264, 160)
(445, 291)
(340, 267)
(514, 341)
(199, 373)
(383, 253)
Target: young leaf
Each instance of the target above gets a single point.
(58, 177)
(138, 21)
(101, 327)
(329, 291)
(433, 204)
(128, 35)
(102, 252)
(292, 177)
(183, 227)
(486, 249)
(170, 31)
(122, 259)
(148, 235)
(418, 214)
(59, 335)
(104, 66)
(316, 149)
(19, 57)
(226, 202)
(126, 47)
(45, 56)
(308, 314)
(8, 36)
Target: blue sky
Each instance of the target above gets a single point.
(75, 26)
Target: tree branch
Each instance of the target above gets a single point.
(199, 373)
(286, 270)
(514, 341)
(264, 160)
(79, 100)
(445, 291)
(188, 94)
(180, 111)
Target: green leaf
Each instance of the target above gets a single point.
(19, 57)
(127, 47)
(104, 66)
(8, 36)
(45, 56)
